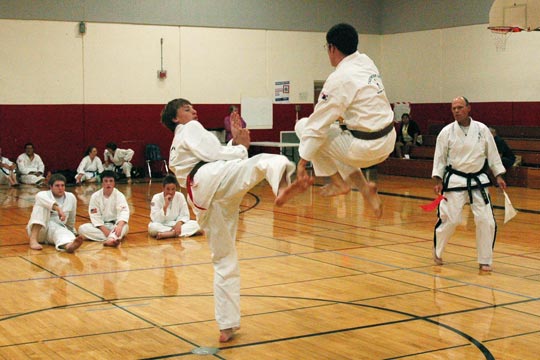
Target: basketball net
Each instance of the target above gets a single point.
(500, 34)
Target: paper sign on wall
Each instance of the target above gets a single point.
(282, 91)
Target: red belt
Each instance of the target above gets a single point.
(189, 181)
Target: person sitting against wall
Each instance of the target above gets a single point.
(90, 167)
(118, 158)
(507, 155)
(407, 136)
(227, 122)
(7, 171)
(31, 167)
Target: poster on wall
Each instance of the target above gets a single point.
(257, 112)
(282, 91)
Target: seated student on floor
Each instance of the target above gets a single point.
(169, 213)
(90, 167)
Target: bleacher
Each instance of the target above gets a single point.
(524, 142)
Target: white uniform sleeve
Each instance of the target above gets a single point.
(70, 221)
(21, 165)
(99, 164)
(45, 199)
(183, 216)
(156, 209)
(41, 165)
(95, 211)
(122, 207)
(82, 165)
(441, 155)
(333, 101)
(127, 154)
(206, 146)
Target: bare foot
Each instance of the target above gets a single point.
(436, 259)
(335, 189)
(75, 244)
(165, 235)
(34, 245)
(227, 334)
(111, 242)
(372, 197)
(297, 187)
(485, 268)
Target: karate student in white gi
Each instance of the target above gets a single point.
(31, 167)
(354, 96)
(109, 213)
(169, 213)
(216, 178)
(90, 167)
(113, 156)
(53, 218)
(463, 148)
(7, 171)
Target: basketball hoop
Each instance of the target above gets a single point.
(500, 34)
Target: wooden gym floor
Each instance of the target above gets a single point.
(321, 279)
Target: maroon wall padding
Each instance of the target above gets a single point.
(61, 133)
(57, 132)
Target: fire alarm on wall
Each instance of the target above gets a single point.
(162, 74)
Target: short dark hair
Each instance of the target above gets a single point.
(232, 108)
(169, 179)
(111, 146)
(344, 37)
(25, 145)
(168, 114)
(56, 177)
(108, 174)
(89, 150)
(466, 100)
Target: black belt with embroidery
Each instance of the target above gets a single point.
(469, 187)
(365, 135)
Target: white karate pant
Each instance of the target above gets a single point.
(450, 217)
(220, 222)
(126, 168)
(344, 153)
(51, 232)
(87, 176)
(91, 232)
(31, 179)
(189, 228)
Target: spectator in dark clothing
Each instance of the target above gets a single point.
(507, 155)
(407, 136)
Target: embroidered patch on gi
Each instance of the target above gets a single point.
(152, 203)
(324, 96)
(376, 80)
(93, 211)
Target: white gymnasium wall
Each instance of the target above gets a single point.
(221, 65)
(121, 63)
(437, 65)
(40, 62)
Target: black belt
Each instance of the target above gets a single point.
(195, 169)
(365, 135)
(469, 187)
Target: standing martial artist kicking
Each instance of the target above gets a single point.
(53, 218)
(109, 213)
(216, 178)
(169, 213)
(463, 148)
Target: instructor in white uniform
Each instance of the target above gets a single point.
(352, 126)
(30, 166)
(216, 178)
(462, 150)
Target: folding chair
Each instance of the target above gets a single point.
(152, 153)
